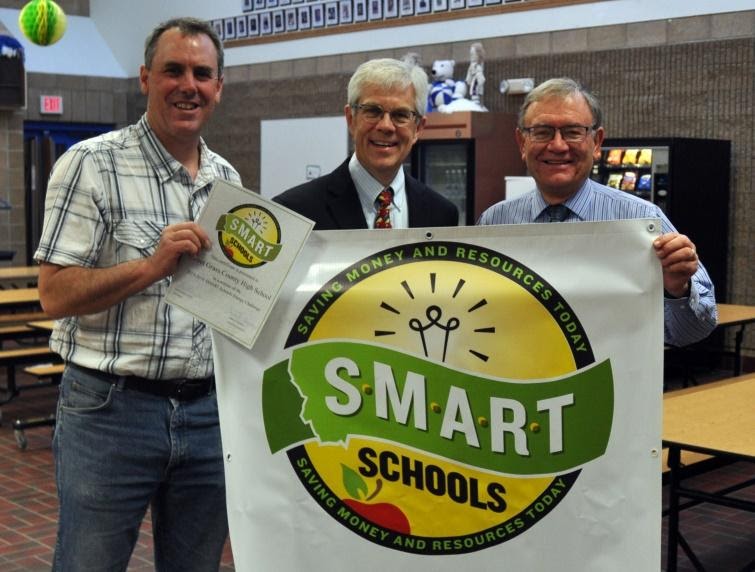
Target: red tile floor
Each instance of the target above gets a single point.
(723, 538)
(28, 502)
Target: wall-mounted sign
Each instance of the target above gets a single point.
(51, 104)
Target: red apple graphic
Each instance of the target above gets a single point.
(381, 513)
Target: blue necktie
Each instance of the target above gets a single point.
(556, 213)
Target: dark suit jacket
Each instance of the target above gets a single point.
(333, 203)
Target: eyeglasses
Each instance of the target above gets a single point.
(546, 133)
(374, 113)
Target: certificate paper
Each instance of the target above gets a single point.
(233, 286)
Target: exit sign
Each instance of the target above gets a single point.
(51, 104)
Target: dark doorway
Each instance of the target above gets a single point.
(44, 142)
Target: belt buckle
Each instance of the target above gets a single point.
(180, 389)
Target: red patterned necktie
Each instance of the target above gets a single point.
(383, 203)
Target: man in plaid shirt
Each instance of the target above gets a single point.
(137, 421)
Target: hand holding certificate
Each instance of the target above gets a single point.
(232, 286)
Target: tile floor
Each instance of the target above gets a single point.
(28, 502)
(724, 539)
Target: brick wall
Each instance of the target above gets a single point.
(12, 223)
(86, 100)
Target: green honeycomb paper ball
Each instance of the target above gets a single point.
(42, 21)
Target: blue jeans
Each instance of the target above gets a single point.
(118, 452)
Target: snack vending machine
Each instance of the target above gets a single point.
(688, 179)
(634, 171)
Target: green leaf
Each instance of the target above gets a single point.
(354, 484)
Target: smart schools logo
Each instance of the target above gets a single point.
(249, 235)
(440, 398)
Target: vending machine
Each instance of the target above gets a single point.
(688, 179)
(466, 156)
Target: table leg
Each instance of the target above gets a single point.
(674, 463)
(738, 350)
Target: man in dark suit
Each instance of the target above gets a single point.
(385, 115)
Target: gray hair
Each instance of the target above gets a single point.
(388, 73)
(187, 27)
(562, 87)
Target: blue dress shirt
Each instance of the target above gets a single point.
(686, 320)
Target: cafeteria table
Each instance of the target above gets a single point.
(44, 325)
(49, 371)
(730, 315)
(15, 298)
(716, 419)
(10, 275)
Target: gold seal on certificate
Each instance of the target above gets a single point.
(250, 235)
(233, 285)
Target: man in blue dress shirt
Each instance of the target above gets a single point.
(560, 134)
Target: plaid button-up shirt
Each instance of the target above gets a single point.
(107, 202)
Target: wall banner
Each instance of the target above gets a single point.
(432, 399)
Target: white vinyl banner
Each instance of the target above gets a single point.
(475, 398)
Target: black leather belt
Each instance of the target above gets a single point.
(179, 389)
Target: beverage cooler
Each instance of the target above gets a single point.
(466, 156)
(688, 179)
